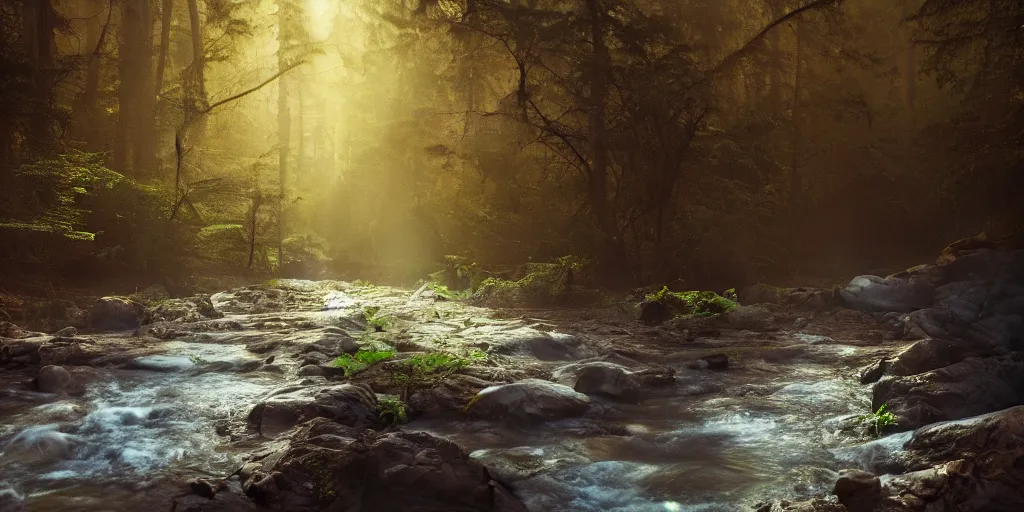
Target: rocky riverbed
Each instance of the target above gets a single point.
(299, 395)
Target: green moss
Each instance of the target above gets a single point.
(363, 359)
(694, 303)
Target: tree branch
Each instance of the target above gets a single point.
(735, 56)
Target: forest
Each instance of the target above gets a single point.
(512, 255)
(715, 143)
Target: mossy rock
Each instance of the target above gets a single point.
(665, 304)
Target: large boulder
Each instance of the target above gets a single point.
(971, 387)
(601, 378)
(52, 379)
(877, 294)
(965, 465)
(530, 399)
(328, 466)
(751, 318)
(116, 313)
(922, 356)
(858, 491)
(353, 405)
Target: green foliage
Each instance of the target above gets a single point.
(442, 291)
(363, 359)
(374, 319)
(197, 359)
(696, 303)
(424, 370)
(880, 420)
(393, 411)
(541, 284)
(46, 195)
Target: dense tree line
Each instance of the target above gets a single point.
(719, 143)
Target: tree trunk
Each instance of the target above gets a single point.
(39, 22)
(598, 178)
(143, 156)
(283, 130)
(796, 181)
(166, 15)
(195, 78)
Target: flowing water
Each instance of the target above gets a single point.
(715, 441)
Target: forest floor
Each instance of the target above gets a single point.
(568, 409)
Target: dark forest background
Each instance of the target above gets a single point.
(713, 143)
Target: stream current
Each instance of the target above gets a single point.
(769, 426)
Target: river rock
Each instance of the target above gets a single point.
(52, 379)
(802, 298)
(873, 293)
(972, 464)
(971, 387)
(858, 491)
(116, 313)
(920, 357)
(530, 342)
(11, 500)
(328, 466)
(353, 405)
(186, 310)
(9, 330)
(599, 377)
(67, 332)
(710, 362)
(751, 318)
(530, 399)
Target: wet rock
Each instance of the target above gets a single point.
(812, 505)
(52, 379)
(971, 387)
(923, 356)
(999, 435)
(67, 332)
(327, 466)
(9, 330)
(654, 312)
(221, 502)
(67, 351)
(42, 443)
(600, 378)
(802, 298)
(185, 310)
(710, 362)
(530, 400)
(353, 405)
(525, 341)
(311, 370)
(858, 491)
(873, 293)
(752, 318)
(116, 313)
(162, 363)
(12, 501)
(448, 396)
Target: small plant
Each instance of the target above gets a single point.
(363, 359)
(375, 319)
(197, 359)
(393, 411)
(880, 419)
(423, 370)
(446, 293)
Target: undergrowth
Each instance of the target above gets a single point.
(363, 359)
(695, 303)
